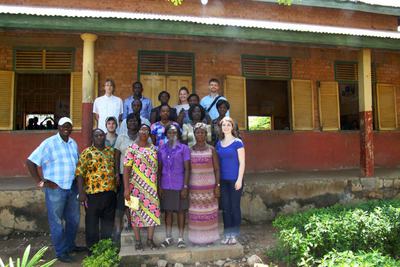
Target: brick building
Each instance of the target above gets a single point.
(322, 80)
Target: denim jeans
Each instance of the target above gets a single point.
(230, 202)
(63, 215)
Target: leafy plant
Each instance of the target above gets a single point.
(26, 262)
(359, 259)
(104, 254)
(373, 227)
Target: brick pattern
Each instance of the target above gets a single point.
(235, 9)
(117, 56)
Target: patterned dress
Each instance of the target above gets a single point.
(143, 184)
(203, 206)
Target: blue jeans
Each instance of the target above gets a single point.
(230, 202)
(62, 205)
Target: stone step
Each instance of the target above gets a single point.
(188, 255)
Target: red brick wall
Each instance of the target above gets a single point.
(233, 8)
(116, 57)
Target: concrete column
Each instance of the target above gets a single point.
(88, 77)
(365, 111)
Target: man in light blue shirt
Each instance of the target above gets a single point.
(209, 102)
(58, 156)
(137, 90)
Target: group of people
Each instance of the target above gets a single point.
(187, 159)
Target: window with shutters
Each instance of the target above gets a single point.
(42, 87)
(165, 71)
(346, 74)
(267, 92)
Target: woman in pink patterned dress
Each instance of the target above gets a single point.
(203, 190)
(140, 180)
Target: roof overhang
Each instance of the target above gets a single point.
(78, 20)
(391, 7)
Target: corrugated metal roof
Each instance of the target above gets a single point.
(233, 22)
(390, 3)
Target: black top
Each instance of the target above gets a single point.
(172, 114)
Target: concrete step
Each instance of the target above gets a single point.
(188, 255)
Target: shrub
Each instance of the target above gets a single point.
(360, 259)
(372, 226)
(104, 254)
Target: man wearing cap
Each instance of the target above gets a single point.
(57, 156)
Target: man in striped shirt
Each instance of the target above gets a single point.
(58, 156)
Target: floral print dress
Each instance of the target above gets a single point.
(143, 184)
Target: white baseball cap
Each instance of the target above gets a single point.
(64, 120)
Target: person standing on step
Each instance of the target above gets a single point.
(124, 140)
(107, 105)
(137, 90)
(173, 173)
(204, 190)
(97, 183)
(140, 182)
(57, 156)
(231, 156)
(209, 101)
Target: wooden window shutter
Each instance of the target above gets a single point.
(266, 67)
(7, 100)
(76, 98)
(58, 60)
(29, 60)
(387, 112)
(54, 60)
(302, 105)
(174, 83)
(152, 86)
(329, 112)
(166, 63)
(346, 71)
(179, 64)
(235, 93)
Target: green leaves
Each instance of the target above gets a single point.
(35, 261)
(104, 254)
(371, 227)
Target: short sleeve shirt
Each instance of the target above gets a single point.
(206, 103)
(229, 159)
(173, 165)
(122, 143)
(97, 169)
(107, 106)
(58, 160)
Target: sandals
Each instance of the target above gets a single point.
(138, 245)
(150, 244)
(167, 242)
(181, 243)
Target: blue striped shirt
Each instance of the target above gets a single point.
(58, 160)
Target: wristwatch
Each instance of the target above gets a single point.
(218, 185)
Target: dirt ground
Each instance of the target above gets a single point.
(256, 239)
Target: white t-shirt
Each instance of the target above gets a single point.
(181, 106)
(107, 106)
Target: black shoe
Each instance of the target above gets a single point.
(79, 249)
(65, 258)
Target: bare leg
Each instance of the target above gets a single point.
(181, 222)
(168, 223)
(136, 231)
